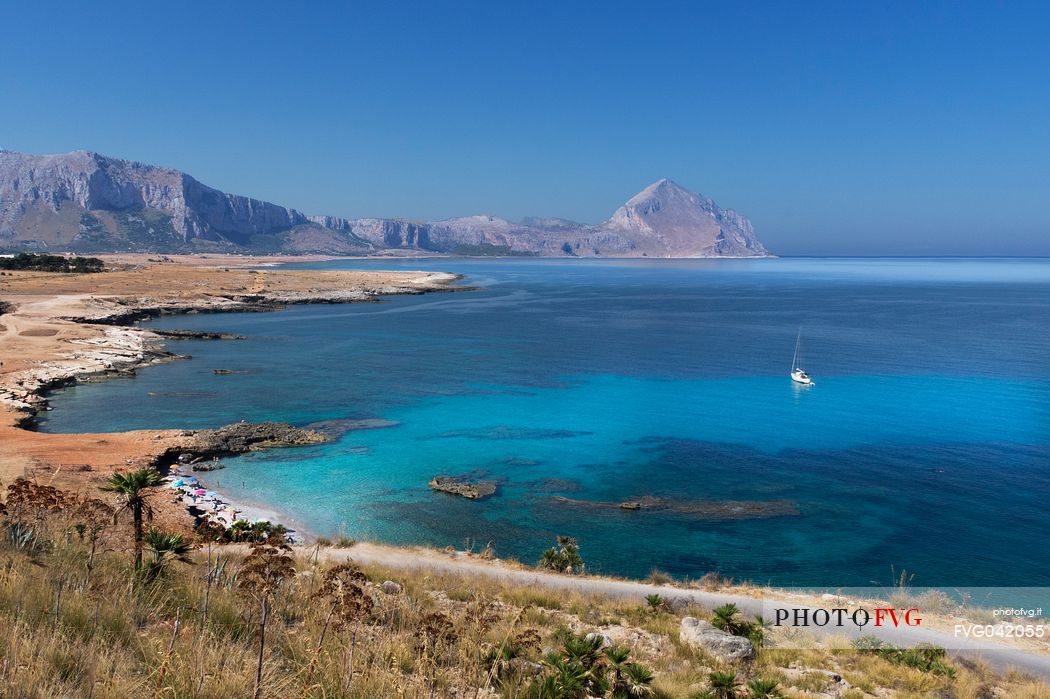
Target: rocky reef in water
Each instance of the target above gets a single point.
(239, 438)
(463, 488)
(707, 510)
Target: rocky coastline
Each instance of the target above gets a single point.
(119, 352)
(120, 347)
(57, 330)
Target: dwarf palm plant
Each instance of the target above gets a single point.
(759, 688)
(636, 683)
(724, 685)
(587, 651)
(727, 618)
(629, 680)
(567, 679)
(656, 603)
(133, 490)
(165, 547)
(564, 558)
(617, 657)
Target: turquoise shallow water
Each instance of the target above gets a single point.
(923, 446)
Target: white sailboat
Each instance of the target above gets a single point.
(797, 374)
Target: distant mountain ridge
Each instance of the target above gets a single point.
(87, 202)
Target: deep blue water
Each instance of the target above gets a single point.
(924, 444)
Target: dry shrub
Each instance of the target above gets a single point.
(76, 623)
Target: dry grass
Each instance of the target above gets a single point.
(70, 630)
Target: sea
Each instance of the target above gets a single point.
(922, 449)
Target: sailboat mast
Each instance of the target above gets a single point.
(794, 359)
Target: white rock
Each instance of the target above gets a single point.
(723, 646)
(606, 641)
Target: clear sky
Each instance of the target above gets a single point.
(838, 128)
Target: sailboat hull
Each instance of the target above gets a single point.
(797, 375)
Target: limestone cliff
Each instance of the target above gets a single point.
(84, 201)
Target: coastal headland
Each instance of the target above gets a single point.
(59, 329)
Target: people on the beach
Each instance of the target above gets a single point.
(214, 508)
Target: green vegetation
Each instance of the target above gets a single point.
(165, 548)
(581, 668)
(656, 603)
(132, 229)
(563, 558)
(133, 490)
(146, 229)
(243, 532)
(761, 688)
(78, 618)
(728, 619)
(51, 263)
(924, 657)
(724, 685)
(92, 233)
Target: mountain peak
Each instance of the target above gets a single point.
(663, 188)
(665, 184)
(86, 201)
(686, 222)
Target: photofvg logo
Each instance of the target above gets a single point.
(859, 617)
(955, 619)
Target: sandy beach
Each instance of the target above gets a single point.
(58, 329)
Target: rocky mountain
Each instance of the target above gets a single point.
(664, 216)
(84, 201)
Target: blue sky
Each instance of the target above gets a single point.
(838, 128)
